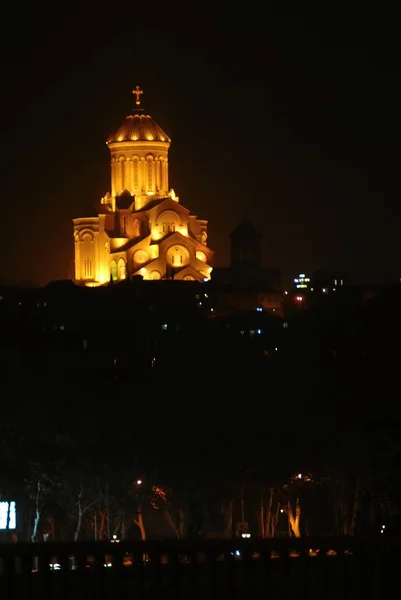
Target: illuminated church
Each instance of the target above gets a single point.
(141, 228)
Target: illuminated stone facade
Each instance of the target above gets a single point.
(141, 228)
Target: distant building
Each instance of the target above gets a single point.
(326, 282)
(302, 282)
(246, 261)
(246, 285)
(140, 228)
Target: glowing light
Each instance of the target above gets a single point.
(8, 519)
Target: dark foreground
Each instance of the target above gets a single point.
(273, 569)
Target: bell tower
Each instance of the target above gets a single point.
(246, 249)
(139, 157)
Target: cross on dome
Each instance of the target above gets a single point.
(137, 92)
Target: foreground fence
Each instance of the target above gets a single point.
(204, 569)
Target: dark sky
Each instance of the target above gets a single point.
(292, 121)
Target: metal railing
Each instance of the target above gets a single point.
(307, 568)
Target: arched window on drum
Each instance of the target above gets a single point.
(135, 168)
(122, 171)
(149, 166)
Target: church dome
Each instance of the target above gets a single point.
(139, 127)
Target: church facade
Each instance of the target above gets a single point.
(141, 227)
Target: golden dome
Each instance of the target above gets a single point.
(139, 127)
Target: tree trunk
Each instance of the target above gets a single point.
(171, 522)
(274, 521)
(102, 525)
(355, 505)
(107, 512)
(294, 520)
(122, 525)
(35, 525)
(117, 525)
(181, 522)
(80, 513)
(139, 522)
(262, 516)
(228, 519)
(37, 512)
(79, 524)
(8, 521)
(269, 524)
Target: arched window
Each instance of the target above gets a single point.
(168, 221)
(121, 269)
(155, 275)
(178, 256)
(168, 227)
(122, 171)
(150, 173)
(113, 270)
(88, 268)
(200, 255)
(137, 228)
(136, 172)
(161, 186)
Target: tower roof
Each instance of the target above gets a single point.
(246, 230)
(139, 127)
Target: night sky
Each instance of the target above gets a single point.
(292, 121)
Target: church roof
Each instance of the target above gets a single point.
(139, 127)
(246, 230)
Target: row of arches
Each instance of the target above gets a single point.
(148, 174)
(123, 158)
